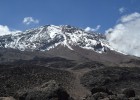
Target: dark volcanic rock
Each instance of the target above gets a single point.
(90, 65)
(100, 89)
(100, 94)
(134, 61)
(98, 46)
(48, 91)
(129, 92)
(19, 77)
(131, 63)
(113, 78)
(52, 62)
(97, 96)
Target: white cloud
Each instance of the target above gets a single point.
(88, 29)
(125, 36)
(4, 30)
(122, 10)
(130, 17)
(30, 20)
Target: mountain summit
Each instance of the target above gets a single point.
(50, 36)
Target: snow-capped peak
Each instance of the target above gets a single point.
(50, 36)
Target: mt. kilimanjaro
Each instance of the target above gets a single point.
(50, 36)
(65, 63)
(63, 41)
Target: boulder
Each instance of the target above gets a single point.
(101, 89)
(129, 92)
(48, 91)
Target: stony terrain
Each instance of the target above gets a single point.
(25, 80)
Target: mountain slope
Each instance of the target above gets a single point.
(59, 41)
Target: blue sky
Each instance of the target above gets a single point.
(80, 13)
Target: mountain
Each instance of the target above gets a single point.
(65, 63)
(50, 36)
(61, 41)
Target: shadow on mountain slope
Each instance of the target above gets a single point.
(113, 78)
(17, 77)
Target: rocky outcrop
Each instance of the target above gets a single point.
(105, 94)
(48, 91)
(129, 92)
(113, 78)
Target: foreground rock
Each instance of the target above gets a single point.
(129, 92)
(105, 94)
(28, 76)
(116, 79)
(7, 98)
(48, 91)
(113, 83)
